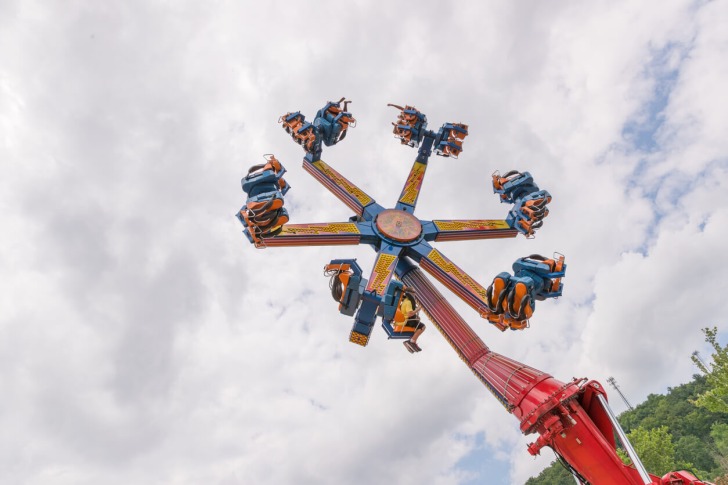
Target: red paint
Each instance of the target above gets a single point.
(565, 416)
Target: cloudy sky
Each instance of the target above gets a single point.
(143, 340)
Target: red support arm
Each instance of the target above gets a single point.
(567, 417)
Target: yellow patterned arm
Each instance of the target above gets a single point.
(457, 280)
(411, 189)
(460, 230)
(324, 234)
(351, 195)
(383, 270)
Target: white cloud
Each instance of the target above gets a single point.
(143, 340)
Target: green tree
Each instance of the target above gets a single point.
(556, 474)
(716, 398)
(691, 449)
(655, 448)
(719, 433)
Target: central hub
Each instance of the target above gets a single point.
(398, 225)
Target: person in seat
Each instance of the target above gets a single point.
(410, 311)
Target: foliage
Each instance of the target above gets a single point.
(675, 411)
(556, 474)
(656, 449)
(719, 433)
(694, 453)
(716, 397)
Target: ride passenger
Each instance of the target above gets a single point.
(410, 311)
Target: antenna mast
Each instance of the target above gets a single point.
(613, 382)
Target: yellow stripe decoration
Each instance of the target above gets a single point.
(358, 338)
(471, 225)
(449, 268)
(413, 184)
(382, 270)
(339, 180)
(318, 229)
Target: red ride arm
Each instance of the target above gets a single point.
(542, 404)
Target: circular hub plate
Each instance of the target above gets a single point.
(398, 225)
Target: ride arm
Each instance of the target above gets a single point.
(569, 417)
(509, 301)
(321, 234)
(374, 293)
(411, 129)
(452, 276)
(265, 219)
(328, 128)
(411, 190)
(364, 206)
(461, 230)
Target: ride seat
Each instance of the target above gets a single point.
(397, 328)
(398, 331)
(302, 132)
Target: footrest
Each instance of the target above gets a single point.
(392, 334)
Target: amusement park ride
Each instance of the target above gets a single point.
(573, 418)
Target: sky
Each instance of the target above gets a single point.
(143, 340)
